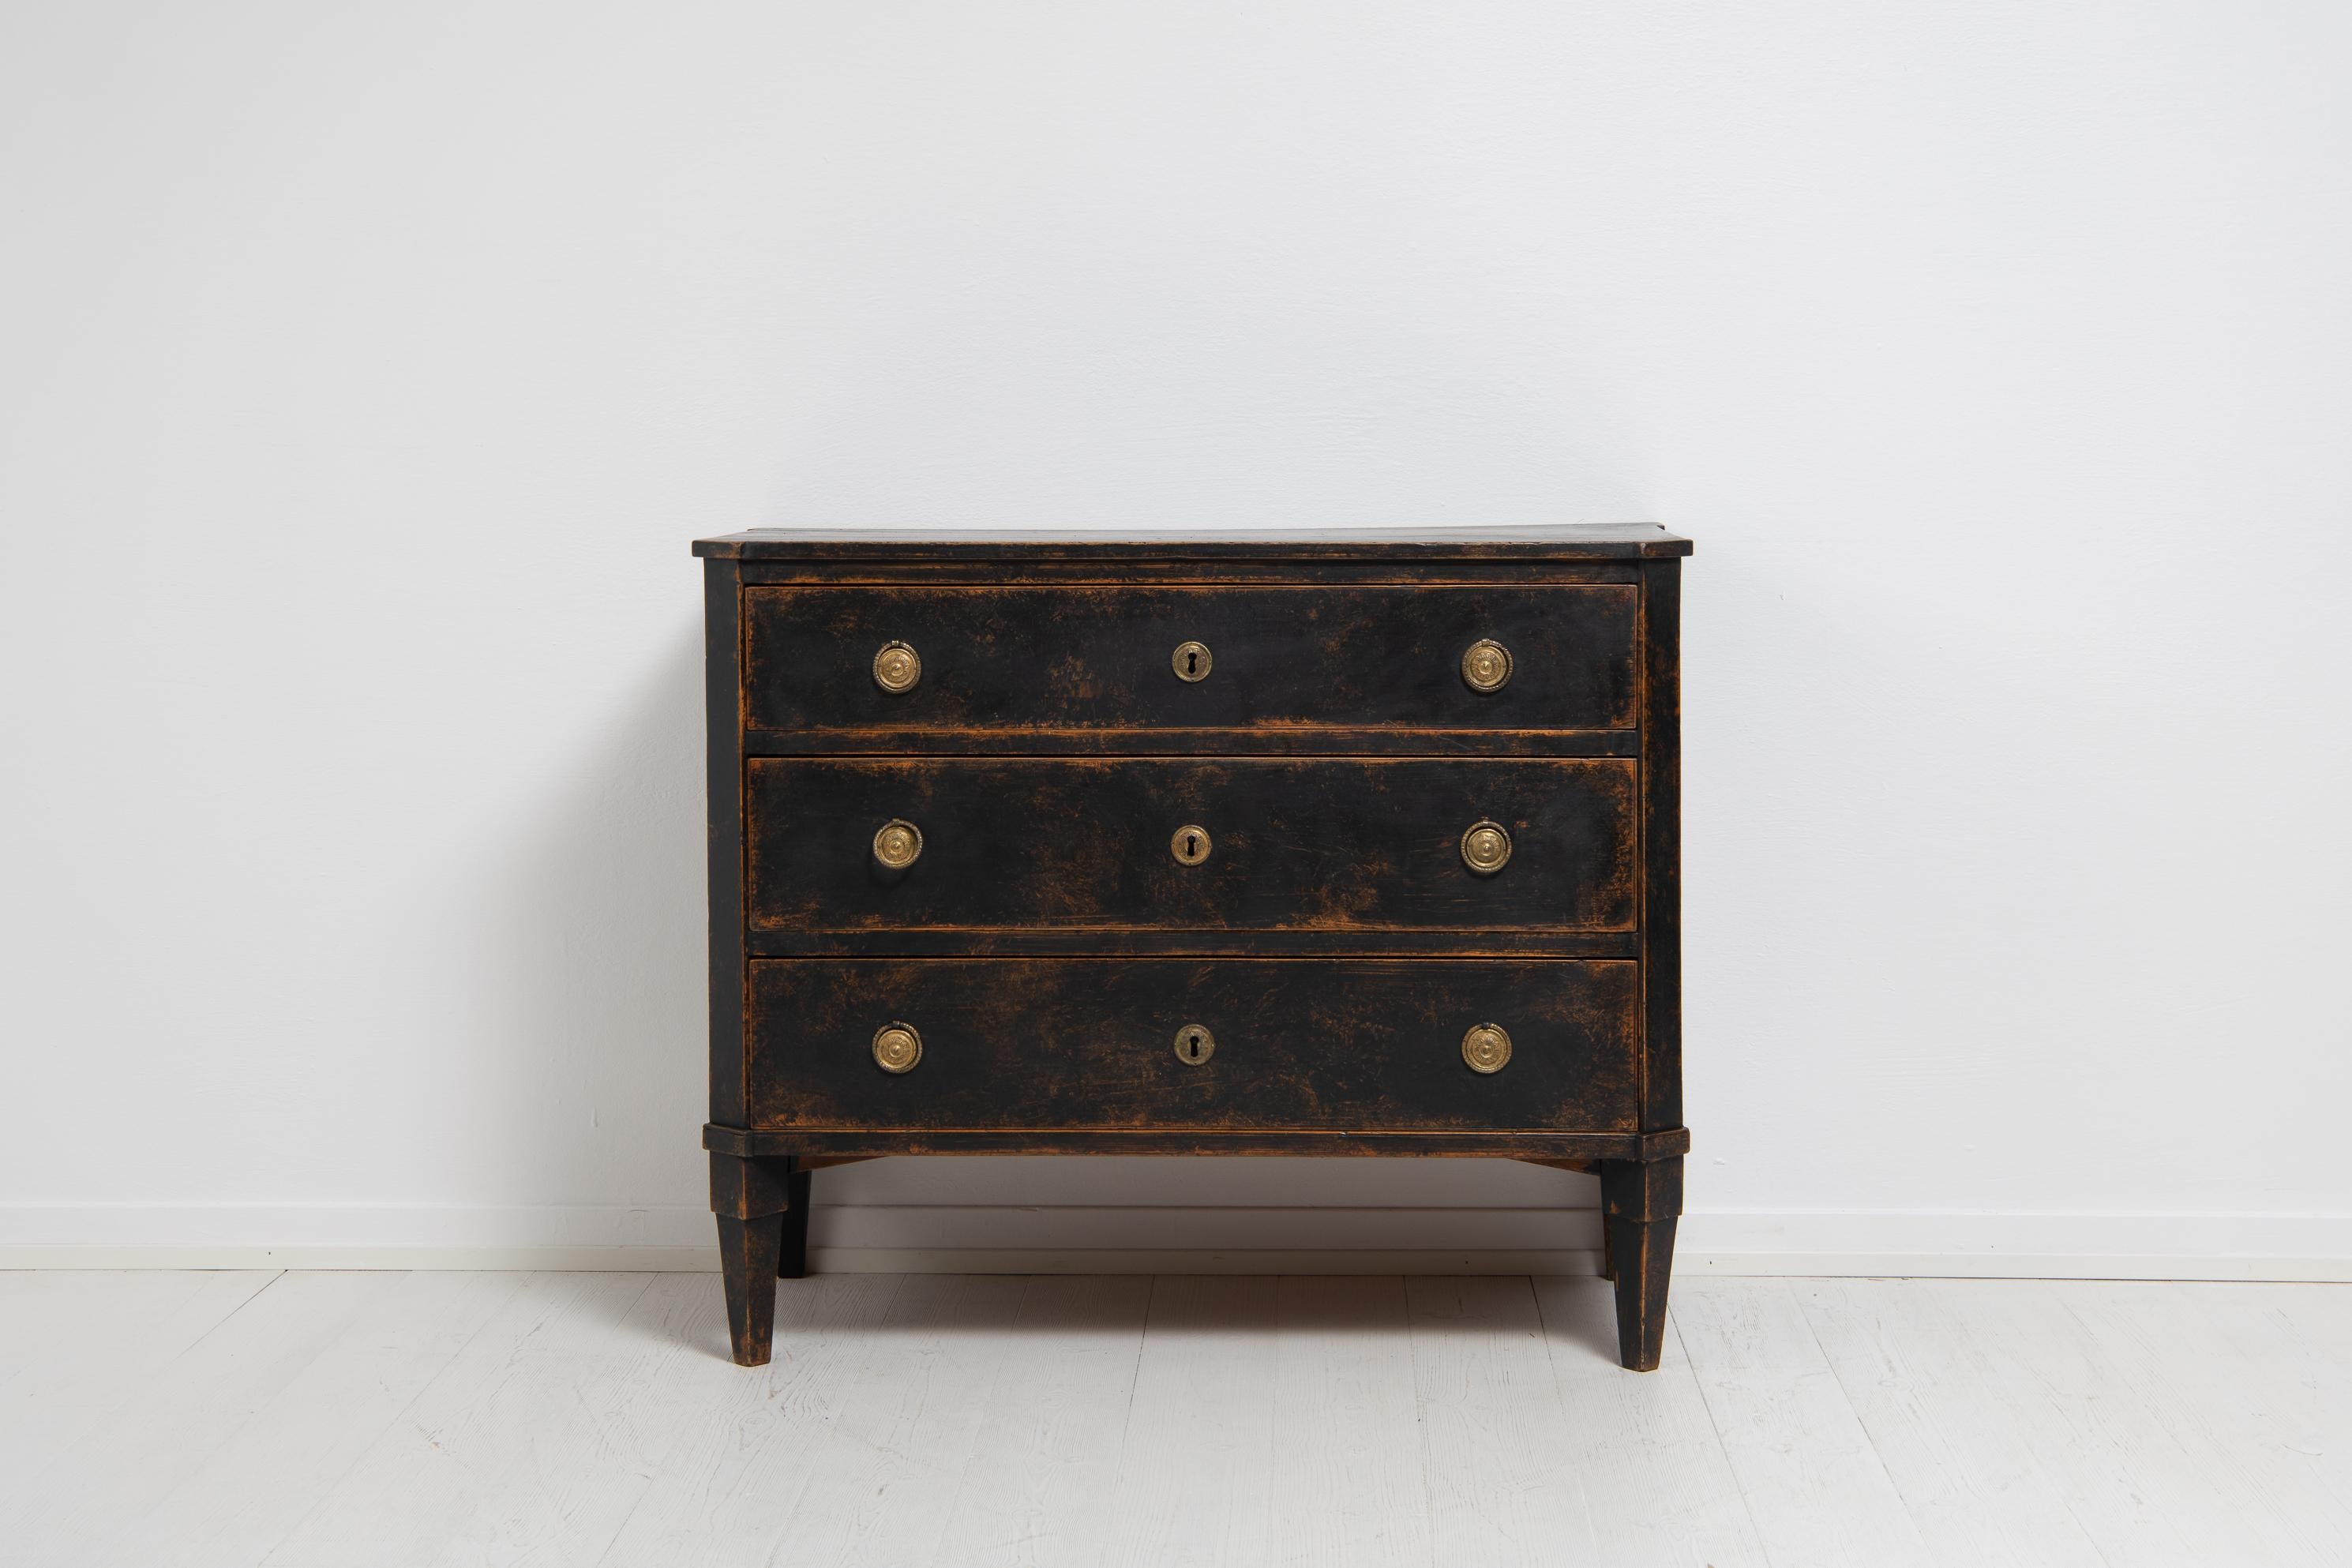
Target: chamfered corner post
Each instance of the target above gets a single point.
(1640, 1202)
(751, 1198)
(1641, 1199)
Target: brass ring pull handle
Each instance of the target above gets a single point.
(1486, 848)
(1192, 661)
(1486, 666)
(896, 1048)
(897, 843)
(1195, 1044)
(896, 668)
(1190, 845)
(1487, 1048)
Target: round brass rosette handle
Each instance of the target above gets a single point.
(896, 1048)
(1486, 848)
(896, 668)
(1190, 845)
(1195, 1044)
(1487, 1048)
(897, 843)
(1486, 665)
(1191, 661)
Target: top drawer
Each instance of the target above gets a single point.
(1108, 659)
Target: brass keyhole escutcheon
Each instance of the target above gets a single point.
(897, 843)
(896, 1048)
(1194, 1045)
(1486, 665)
(1190, 845)
(1486, 848)
(1191, 661)
(1487, 1048)
(896, 668)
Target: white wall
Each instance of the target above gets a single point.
(365, 371)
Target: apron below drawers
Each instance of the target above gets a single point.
(1213, 1045)
(1329, 845)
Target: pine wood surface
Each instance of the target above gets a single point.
(329, 1419)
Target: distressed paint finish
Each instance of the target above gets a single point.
(1048, 947)
(1098, 656)
(1326, 844)
(1307, 1044)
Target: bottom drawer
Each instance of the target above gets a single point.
(1322, 1044)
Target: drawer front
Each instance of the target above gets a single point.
(1081, 657)
(1333, 845)
(1092, 1044)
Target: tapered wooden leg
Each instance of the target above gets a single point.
(1640, 1201)
(791, 1261)
(751, 1198)
(747, 1258)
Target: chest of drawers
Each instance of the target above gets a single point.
(1287, 845)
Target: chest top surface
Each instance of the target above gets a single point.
(1562, 542)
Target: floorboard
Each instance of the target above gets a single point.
(1040, 1488)
(321, 1420)
(83, 1352)
(1195, 1474)
(1656, 1478)
(1495, 1432)
(1347, 1433)
(1816, 1486)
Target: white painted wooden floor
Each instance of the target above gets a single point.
(319, 1419)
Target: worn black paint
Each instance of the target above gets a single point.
(1083, 843)
(1097, 656)
(1090, 1043)
(1048, 947)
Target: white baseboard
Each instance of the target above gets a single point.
(1102, 1239)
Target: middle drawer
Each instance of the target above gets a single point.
(1338, 844)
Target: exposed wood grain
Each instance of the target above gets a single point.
(236, 1452)
(1655, 1479)
(727, 1487)
(883, 1478)
(1347, 1463)
(2142, 1468)
(1969, 1460)
(1815, 1487)
(531, 1434)
(84, 1350)
(1040, 1488)
(1196, 1485)
(448, 1418)
(1493, 1432)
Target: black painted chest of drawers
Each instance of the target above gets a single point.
(1285, 845)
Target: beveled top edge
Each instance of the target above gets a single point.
(1560, 542)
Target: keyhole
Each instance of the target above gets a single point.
(1191, 662)
(1194, 1045)
(1191, 844)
